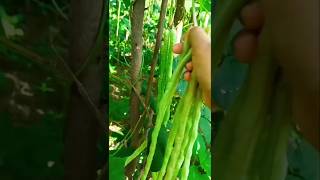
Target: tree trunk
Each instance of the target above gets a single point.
(178, 15)
(137, 15)
(82, 130)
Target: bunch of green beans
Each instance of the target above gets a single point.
(252, 141)
(185, 121)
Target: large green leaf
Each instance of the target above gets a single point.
(205, 123)
(116, 168)
(119, 109)
(204, 156)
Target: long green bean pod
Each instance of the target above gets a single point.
(164, 103)
(194, 133)
(237, 133)
(185, 142)
(136, 153)
(165, 67)
(271, 147)
(196, 108)
(244, 139)
(189, 96)
(172, 135)
(173, 132)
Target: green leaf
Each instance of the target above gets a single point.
(9, 24)
(228, 80)
(112, 69)
(205, 5)
(204, 156)
(194, 174)
(205, 123)
(119, 109)
(44, 88)
(116, 168)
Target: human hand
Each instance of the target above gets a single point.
(200, 62)
(294, 44)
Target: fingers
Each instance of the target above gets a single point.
(245, 46)
(246, 42)
(177, 48)
(189, 66)
(187, 75)
(252, 16)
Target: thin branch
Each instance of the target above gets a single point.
(49, 7)
(130, 133)
(24, 52)
(156, 49)
(130, 85)
(60, 11)
(47, 64)
(83, 92)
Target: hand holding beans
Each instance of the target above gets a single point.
(294, 40)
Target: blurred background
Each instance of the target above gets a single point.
(48, 128)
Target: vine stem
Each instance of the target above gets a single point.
(136, 152)
(156, 49)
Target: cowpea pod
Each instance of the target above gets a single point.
(172, 135)
(191, 126)
(185, 142)
(163, 106)
(193, 136)
(165, 66)
(243, 140)
(187, 97)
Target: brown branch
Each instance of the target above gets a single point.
(30, 55)
(178, 15)
(156, 49)
(83, 92)
(132, 131)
